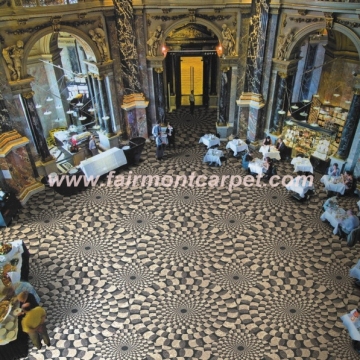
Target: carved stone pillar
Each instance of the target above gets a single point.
(351, 123)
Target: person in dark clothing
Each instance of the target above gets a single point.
(170, 132)
(27, 301)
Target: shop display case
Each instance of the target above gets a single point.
(309, 139)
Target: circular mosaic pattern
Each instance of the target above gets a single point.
(39, 275)
(131, 278)
(235, 278)
(126, 344)
(137, 221)
(340, 348)
(336, 277)
(88, 250)
(290, 312)
(239, 344)
(271, 197)
(279, 251)
(81, 307)
(47, 221)
(188, 156)
(98, 196)
(232, 222)
(186, 250)
(184, 312)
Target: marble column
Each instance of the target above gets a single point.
(97, 100)
(351, 123)
(223, 100)
(104, 104)
(92, 96)
(127, 46)
(278, 118)
(35, 126)
(159, 95)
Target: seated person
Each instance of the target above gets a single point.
(267, 168)
(267, 141)
(281, 147)
(334, 170)
(330, 202)
(349, 224)
(246, 159)
(348, 180)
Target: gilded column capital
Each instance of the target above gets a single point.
(283, 75)
(159, 70)
(356, 91)
(28, 94)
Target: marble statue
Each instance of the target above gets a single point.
(98, 36)
(228, 42)
(13, 56)
(154, 41)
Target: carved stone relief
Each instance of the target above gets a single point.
(13, 56)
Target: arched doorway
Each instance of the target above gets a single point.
(191, 64)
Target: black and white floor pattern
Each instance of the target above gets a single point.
(186, 272)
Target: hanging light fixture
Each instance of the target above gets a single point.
(306, 101)
(48, 99)
(69, 112)
(81, 118)
(347, 101)
(316, 95)
(38, 106)
(294, 107)
(316, 107)
(336, 95)
(69, 98)
(281, 112)
(303, 113)
(79, 104)
(58, 107)
(91, 110)
(326, 102)
(47, 112)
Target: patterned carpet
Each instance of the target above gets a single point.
(188, 272)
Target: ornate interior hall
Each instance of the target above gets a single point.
(188, 273)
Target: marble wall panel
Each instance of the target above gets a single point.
(120, 122)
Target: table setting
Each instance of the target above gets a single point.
(300, 185)
(237, 146)
(302, 164)
(352, 323)
(213, 156)
(334, 184)
(270, 151)
(256, 166)
(209, 140)
(10, 263)
(334, 215)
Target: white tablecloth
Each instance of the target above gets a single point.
(209, 140)
(333, 184)
(302, 164)
(272, 154)
(213, 156)
(334, 217)
(300, 186)
(256, 166)
(237, 146)
(103, 163)
(355, 271)
(352, 324)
